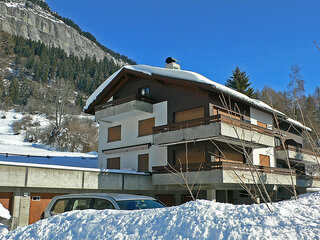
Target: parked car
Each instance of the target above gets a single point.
(99, 201)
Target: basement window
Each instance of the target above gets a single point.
(36, 198)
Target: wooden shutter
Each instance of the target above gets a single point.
(228, 114)
(189, 114)
(230, 155)
(261, 124)
(143, 163)
(145, 126)
(264, 160)
(114, 133)
(113, 163)
(194, 156)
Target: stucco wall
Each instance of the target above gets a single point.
(129, 137)
(257, 115)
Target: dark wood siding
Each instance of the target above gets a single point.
(114, 133)
(167, 199)
(180, 97)
(113, 163)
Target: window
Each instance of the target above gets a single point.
(189, 114)
(264, 160)
(113, 163)
(277, 141)
(36, 198)
(229, 114)
(261, 124)
(145, 91)
(100, 204)
(230, 155)
(81, 204)
(114, 133)
(196, 155)
(138, 204)
(59, 206)
(143, 163)
(145, 126)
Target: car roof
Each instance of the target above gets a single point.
(115, 196)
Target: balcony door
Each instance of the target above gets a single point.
(189, 114)
(195, 155)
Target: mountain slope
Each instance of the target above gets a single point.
(29, 20)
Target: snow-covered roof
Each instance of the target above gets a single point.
(194, 77)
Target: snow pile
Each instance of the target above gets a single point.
(4, 215)
(189, 76)
(194, 220)
(12, 145)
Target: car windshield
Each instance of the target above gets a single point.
(139, 204)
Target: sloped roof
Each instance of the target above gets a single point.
(194, 77)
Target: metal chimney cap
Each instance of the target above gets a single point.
(170, 60)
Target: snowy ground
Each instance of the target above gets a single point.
(4, 215)
(194, 220)
(12, 145)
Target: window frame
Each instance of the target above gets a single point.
(113, 158)
(145, 120)
(113, 128)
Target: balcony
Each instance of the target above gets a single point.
(298, 154)
(124, 107)
(218, 127)
(308, 181)
(220, 173)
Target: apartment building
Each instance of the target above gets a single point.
(187, 130)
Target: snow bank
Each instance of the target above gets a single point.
(13, 148)
(194, 220)
(4, 215)
(194, 77)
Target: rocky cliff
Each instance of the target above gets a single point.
(32, 22)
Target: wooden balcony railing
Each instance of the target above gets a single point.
(297, 149)
(193, 167)
(125, 100)
(208, 120)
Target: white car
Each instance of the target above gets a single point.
(99, 201)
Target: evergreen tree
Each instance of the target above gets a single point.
(239, 81)
(14, 91)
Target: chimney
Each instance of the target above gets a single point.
(172, 63)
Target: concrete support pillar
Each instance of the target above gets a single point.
(211, 195)
(177, 199)
(21, 209)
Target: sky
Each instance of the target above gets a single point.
(264, 38)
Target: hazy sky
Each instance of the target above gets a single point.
(264, 38)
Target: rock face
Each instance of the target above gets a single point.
(35, 23)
